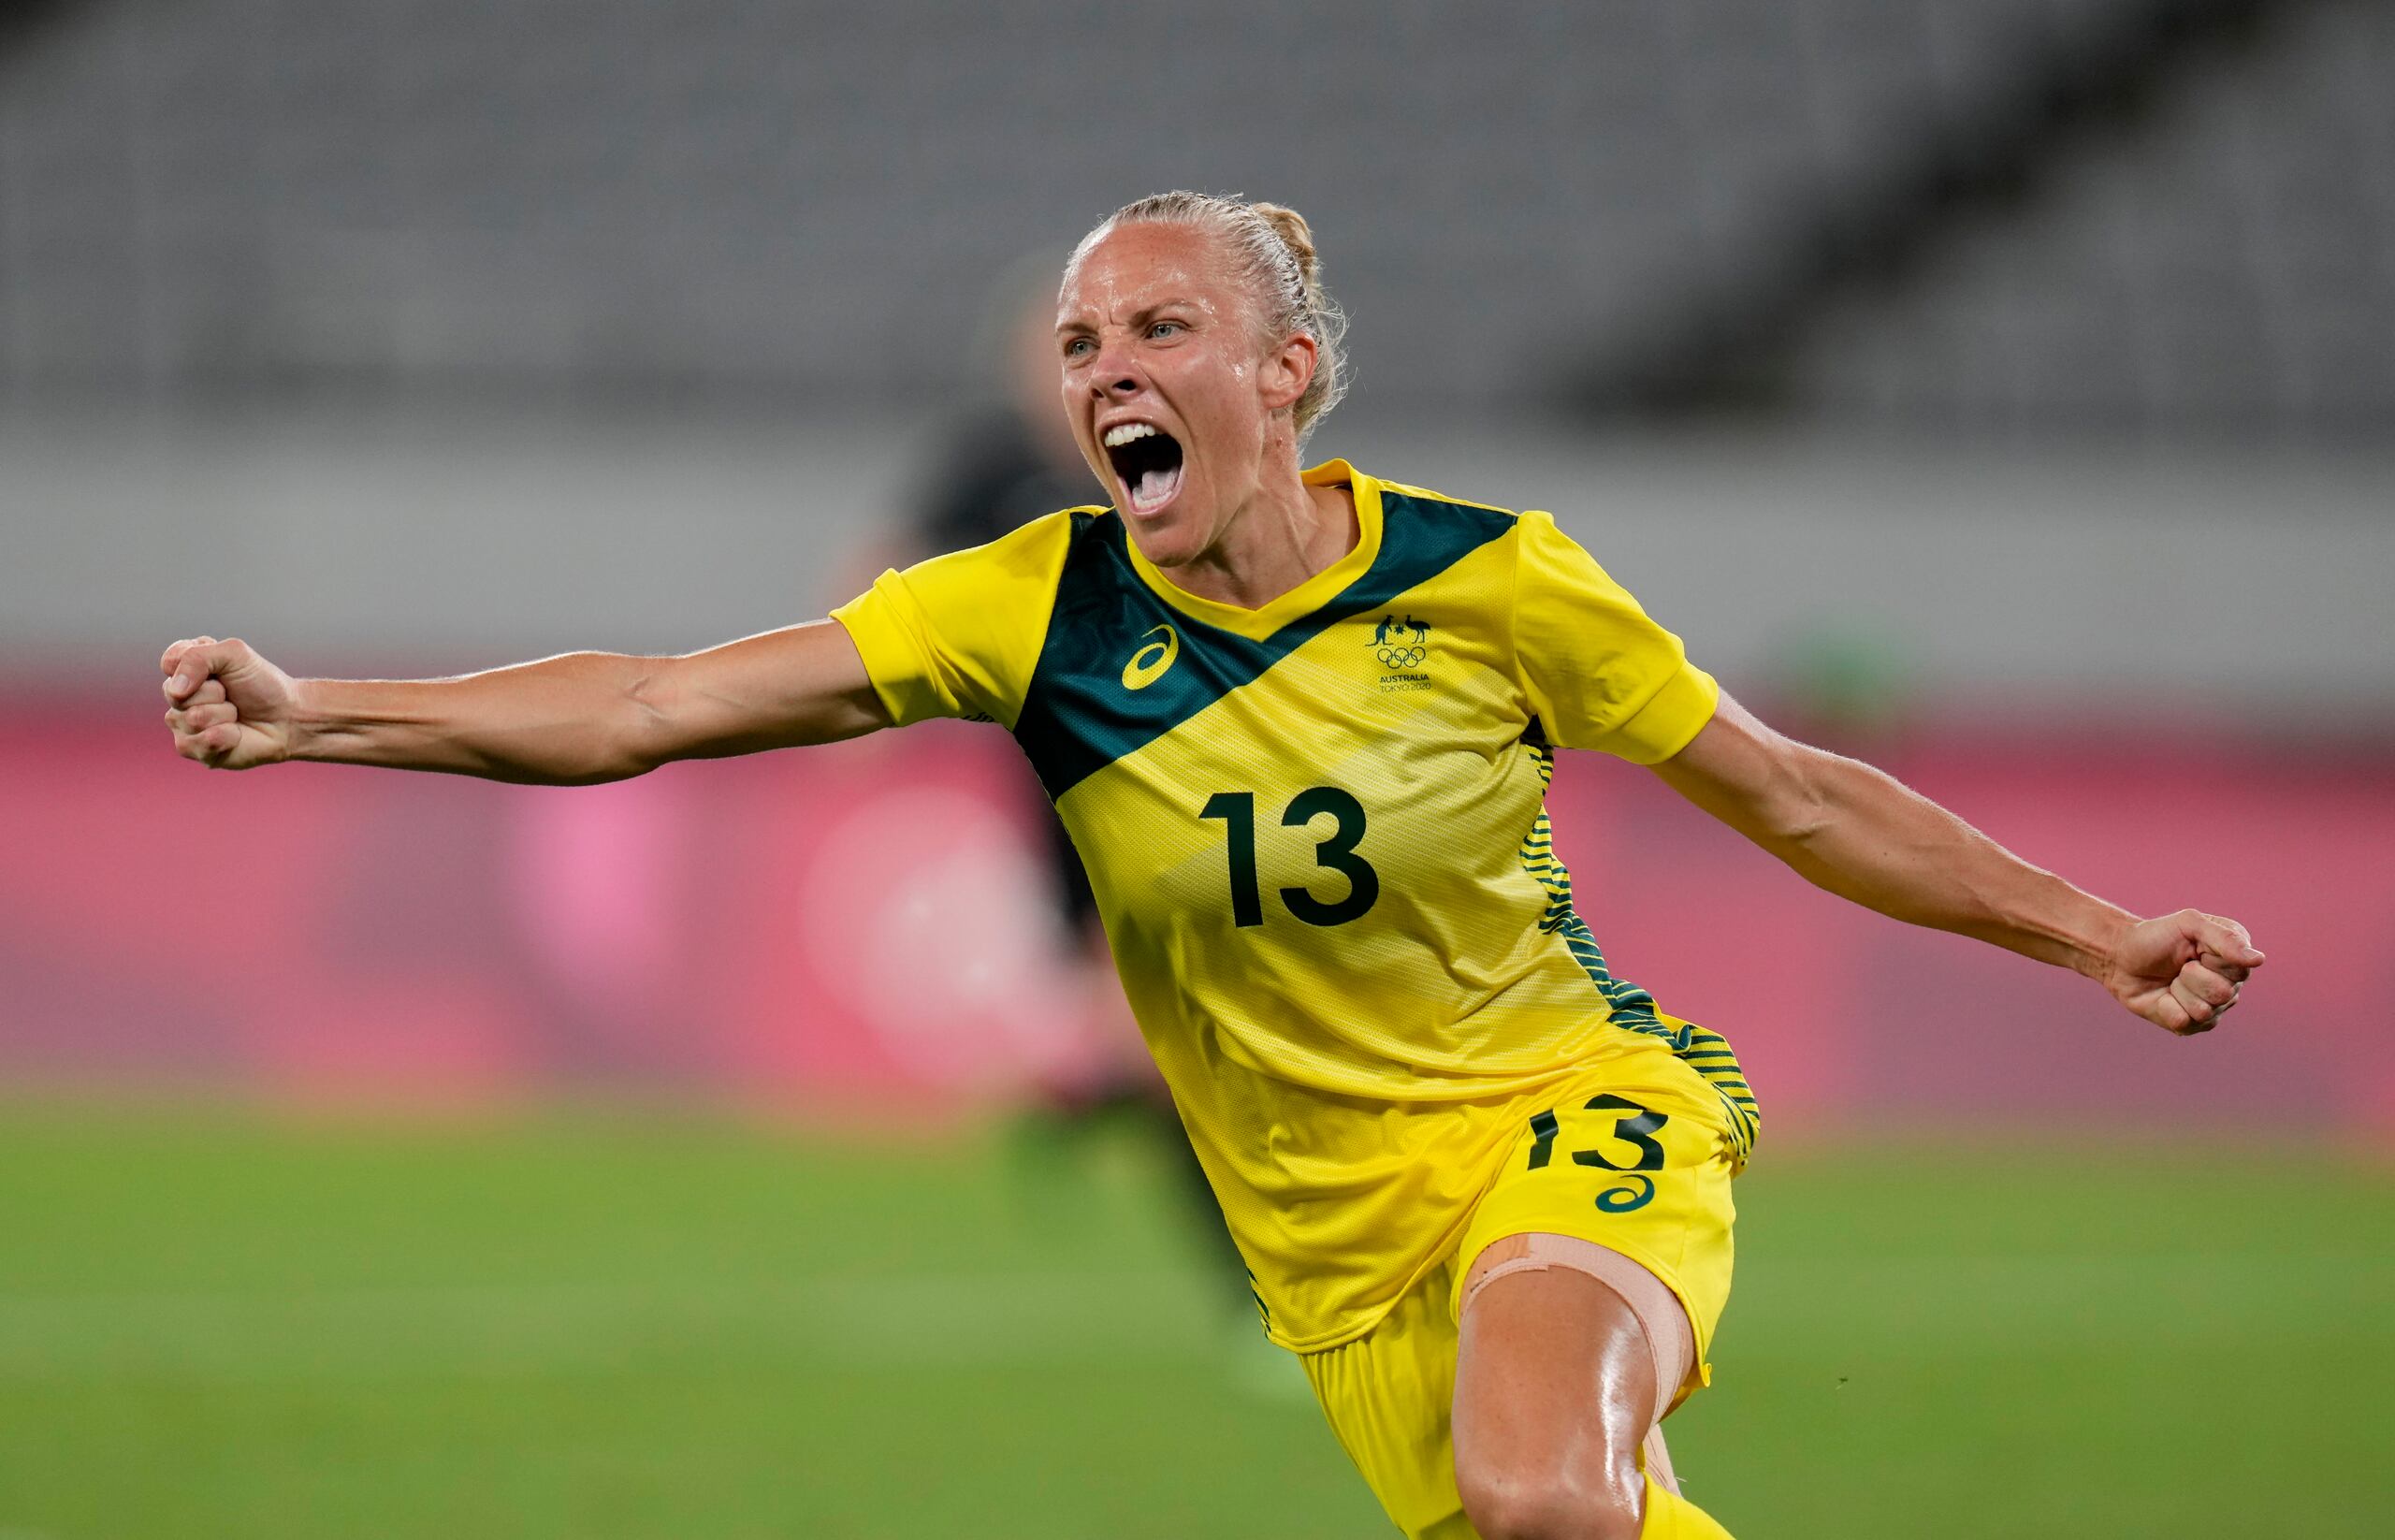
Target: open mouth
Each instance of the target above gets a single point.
(1147, 462)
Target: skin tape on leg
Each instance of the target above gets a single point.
(1660, 1318)
(1656, 1461)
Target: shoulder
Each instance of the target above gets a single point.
(1549, 567)
(1049, 534)
(1424, 495)
(996, 589)
(1418, 516)
(1424, 534)
(959, 635)
(1024, 557)
(1439, 527)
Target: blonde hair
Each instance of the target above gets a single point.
(1272, 250)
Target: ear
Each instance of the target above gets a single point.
(1287, 371)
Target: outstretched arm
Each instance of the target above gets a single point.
(1858, 833)
(573, 719)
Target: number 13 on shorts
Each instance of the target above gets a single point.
(1642, 1168)
(1639, 1128)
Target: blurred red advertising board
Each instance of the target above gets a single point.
(863, 929)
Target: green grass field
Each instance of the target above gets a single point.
(213, 1324)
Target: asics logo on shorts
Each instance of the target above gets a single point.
(1149, 664)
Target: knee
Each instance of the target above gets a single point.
(1554, 1505)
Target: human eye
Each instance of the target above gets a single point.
(1166, 329)
(1077, 347)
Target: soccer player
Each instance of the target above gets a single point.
(1300, 723)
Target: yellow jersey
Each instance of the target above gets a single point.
(1318, 836)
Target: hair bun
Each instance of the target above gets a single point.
(1291, 226)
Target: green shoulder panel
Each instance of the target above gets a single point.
(1098, 693)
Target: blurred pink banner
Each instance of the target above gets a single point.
(863, 927)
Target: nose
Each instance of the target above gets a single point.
(1115, 385)
(1112, 376)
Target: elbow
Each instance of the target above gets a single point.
(1787, 797)
(1806, 814)
(641, 736)
(1796, 825)
(1798, 805)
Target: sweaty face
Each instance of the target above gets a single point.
(1161, 383)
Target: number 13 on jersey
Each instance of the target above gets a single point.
(1337, 852)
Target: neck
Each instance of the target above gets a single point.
(1283, 533)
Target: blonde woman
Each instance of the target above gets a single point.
(1300, 723)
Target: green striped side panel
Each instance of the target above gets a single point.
(1707, 1053)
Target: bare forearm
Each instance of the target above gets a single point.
(568, 721)
(1858, 833)
(573, 719)
(1869, 839)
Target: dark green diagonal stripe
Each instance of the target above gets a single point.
(1078, 718)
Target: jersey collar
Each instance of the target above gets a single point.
(1308, 596)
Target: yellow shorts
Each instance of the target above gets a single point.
(1638, 1160)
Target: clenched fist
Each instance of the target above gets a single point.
(2182, 971)
(228, 707)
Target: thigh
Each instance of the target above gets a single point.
(1555, 1397)
(1390, 1395)
(1639, 1163)
(1387, 1396)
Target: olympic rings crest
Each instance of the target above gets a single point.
(1401, 644)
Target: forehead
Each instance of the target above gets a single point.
(1136, 266)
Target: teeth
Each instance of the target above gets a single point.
(1117, 437)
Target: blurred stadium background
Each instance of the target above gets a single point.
(2001, 389)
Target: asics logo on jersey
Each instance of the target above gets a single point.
(1401, 644)
(1149, 664)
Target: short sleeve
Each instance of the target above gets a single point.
(1599, 673)
(959, 635)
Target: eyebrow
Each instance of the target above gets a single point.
(1176, 301)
